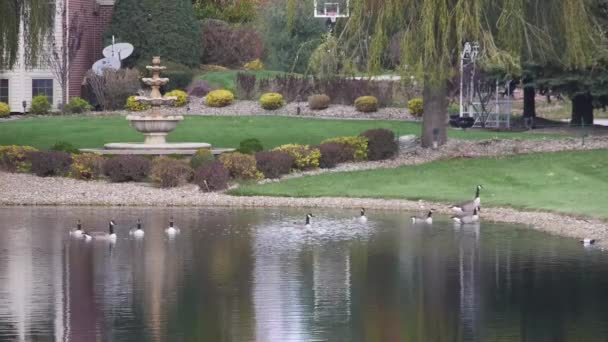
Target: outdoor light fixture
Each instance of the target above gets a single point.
(24, 104)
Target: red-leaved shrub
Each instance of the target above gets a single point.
(168, 172)
(126, 168)
(273, 164)
(50, 163)
(230, 46)
(198, 88)
(212, 177)
(333, 154)
(381, 143)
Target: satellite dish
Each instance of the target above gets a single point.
(119, 50)
(106, 63)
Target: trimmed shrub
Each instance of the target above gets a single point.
(113, 88)
(182, 97)
(219, 98)
(202, 157)
(50, 163)
(241, 166)
(40, 105)
(366, 104)
(64, 146)
(333, 154)
(415, 106)
(135, 106)
(305, 157)
(357, 144)
(381, 143)
(86, 166)
(15, 158)
(273, 164)
(255, 64)
(250, 146)
(212, 177)
(318, 102)
(5, 110)
(126, 168)
(230, 46)
(168, 173)
(198, 88)
(272, 101)
(77, 105)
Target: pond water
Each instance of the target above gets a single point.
(259, 275)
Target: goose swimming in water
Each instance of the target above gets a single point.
(362, 218)
(78, 231)
(308, 217)
(428, 218)
(587, 242)
(110, 235)
(468, 206)
(467, 218)
(171, 230)
(137, 232)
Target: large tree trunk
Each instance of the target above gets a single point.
(434, 119)
(529, 102)
(582, 110)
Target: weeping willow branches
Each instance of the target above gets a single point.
(33, 19)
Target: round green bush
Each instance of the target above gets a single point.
(202, 157)
(250, 146)
(219, 98)
(5, 110)
(40, 105)
(415, 106)
(272, 101)
(77, 105)
(182, 97)
(366, 104)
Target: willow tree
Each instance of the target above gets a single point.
(434, 33)
(32, 19)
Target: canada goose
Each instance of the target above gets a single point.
(428, 218)
(78, 231)
(308, 217)
(137, 232)
(110, 235)
(467, 218)
(468, 206)
(587, 242)
(171, 230)
(362, 218)
(87, 237)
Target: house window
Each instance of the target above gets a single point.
(4, 90)
(43, 87)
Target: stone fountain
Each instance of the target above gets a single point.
(153, 124)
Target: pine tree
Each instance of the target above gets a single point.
(157, 28)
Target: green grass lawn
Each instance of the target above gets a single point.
(227, 79)
(224, 131)
(568, 182)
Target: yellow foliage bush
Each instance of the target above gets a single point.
(256, 64)
(305, 157)
(358, 144)
(366, 104)
(219, 98)
(5, 110)
(182, 97)
(241, 166)
(134, 105)
(271, 101)
(86, 166)
(15, 158)
(415, 106)
(168, 172)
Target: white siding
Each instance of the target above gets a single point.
(20, 78)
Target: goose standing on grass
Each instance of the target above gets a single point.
(468, 206)
(137, 232)
(308, 217)
(467, 218)
(171, 230)
(362, 218)
(78, 231)
(587, 242)
(428, 218)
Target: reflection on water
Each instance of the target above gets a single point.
(260, 275)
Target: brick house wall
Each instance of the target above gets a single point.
(95, 16)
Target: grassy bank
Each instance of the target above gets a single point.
(227, 79)
(219, 131)
(567, 182)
